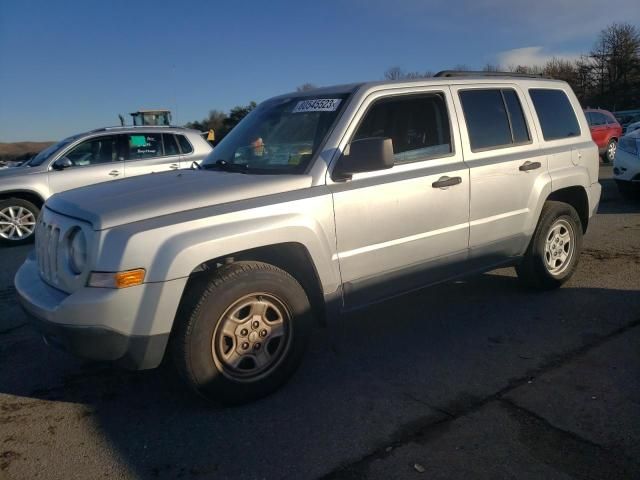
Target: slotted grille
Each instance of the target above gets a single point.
(47, 245)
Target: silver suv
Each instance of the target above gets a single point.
(85, 159)
(316, 203)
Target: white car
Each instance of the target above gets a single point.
(626, 165)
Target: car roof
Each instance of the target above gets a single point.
(478, 78)
(142, 128)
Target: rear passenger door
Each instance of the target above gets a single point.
(507, 171)
(599, 129)
(145, 153)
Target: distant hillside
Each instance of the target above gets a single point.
(21, 150)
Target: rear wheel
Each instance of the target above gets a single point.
(552, 256)
(610, 152)
(243, 334)
(18, 219)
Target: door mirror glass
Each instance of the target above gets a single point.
(365, 155)
(62, 163)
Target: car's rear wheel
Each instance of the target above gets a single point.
(242, 334)
(552, 256)
(610, 152)
(18, 220)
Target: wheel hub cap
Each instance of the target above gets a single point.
(252, 336)
(16, 223)
(559, 247)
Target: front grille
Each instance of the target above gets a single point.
(47, 247)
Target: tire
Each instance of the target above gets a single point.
(550, 259)
(224, 318)
(23, 212)
(610, 152)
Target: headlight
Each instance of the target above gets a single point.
(77, 251)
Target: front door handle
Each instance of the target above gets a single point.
(526, 166)
(173, 166)
(114, 173)
(444, 182)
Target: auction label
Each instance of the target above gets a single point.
(317, 105)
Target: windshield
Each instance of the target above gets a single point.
(45, 154)
(280, 136)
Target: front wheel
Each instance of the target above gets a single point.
(243, 333)
(552, 256)
(17, 221)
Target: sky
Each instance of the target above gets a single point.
(70, 66)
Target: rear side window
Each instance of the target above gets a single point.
(596, 119)
(143, 145)
(494, 118)
(185, 146)
(556, 115)
(170, 145)
(417, 124)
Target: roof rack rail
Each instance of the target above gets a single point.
(116, 127)
(465, 73)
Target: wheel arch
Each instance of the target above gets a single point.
(27, 195)
(577, 197)
(292, 257)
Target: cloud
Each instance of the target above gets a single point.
(531, 56)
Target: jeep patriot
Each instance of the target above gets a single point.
(317, 203)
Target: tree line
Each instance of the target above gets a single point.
(607, 77)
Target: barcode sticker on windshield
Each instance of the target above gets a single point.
(317, 105)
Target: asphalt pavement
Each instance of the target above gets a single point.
(477, 378)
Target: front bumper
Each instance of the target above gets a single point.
(130, 326)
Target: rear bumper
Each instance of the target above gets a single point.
(594, 192)
(130, 326)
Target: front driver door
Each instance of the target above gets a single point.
(397, 229)
(96, 160)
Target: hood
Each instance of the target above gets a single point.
(11, 169)
(110, 204)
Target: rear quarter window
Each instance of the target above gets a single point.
(185, 146)
(555, 113)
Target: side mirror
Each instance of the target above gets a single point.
(366, 155)
(62, 164)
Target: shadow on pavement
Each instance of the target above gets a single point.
(365, 383)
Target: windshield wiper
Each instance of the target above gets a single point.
(226, 166)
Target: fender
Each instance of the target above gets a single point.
(170, 250)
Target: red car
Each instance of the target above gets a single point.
(605, 131)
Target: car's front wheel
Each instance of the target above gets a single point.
(18, 219)
(552, 256)
(242, 333)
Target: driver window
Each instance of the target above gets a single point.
(417, 124)
(94, 152)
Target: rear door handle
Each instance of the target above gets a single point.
(114, 173)
(444, 182)
(526, 166)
